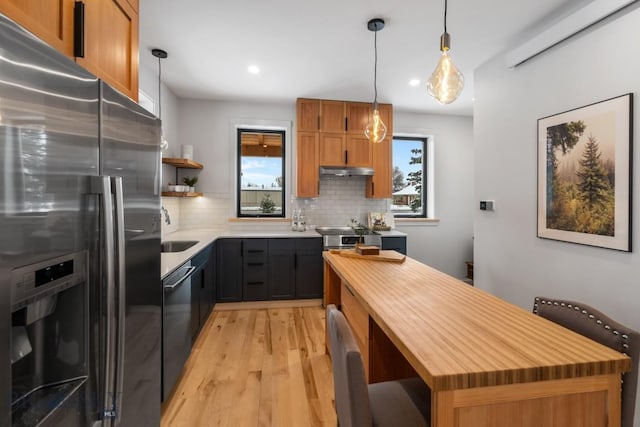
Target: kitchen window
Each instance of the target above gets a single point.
(261, 177)
(409, 185)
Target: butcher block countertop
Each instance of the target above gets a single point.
(460, 337)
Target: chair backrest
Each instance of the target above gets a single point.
(350, 383)
(593, 324)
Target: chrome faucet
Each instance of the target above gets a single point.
(167, 218)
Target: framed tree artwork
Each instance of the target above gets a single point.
(584, 174)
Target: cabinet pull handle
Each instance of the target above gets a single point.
(318, 123)
(254, 264)
(346, 156)
(295, 261)
(78, 29)
(255, 283)
(346, 123)
(254, 251)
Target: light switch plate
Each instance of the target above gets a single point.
(487, 205)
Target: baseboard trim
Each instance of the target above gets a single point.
(258, 305)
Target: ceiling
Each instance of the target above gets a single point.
(323, 49)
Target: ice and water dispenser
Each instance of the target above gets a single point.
(49, 339)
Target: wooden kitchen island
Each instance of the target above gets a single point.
(487, 362)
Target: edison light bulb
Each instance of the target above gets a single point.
(446, 82)
(376, 129)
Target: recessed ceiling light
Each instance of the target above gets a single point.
(414, 82)
(253, 69)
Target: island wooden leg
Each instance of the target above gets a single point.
(331, 296)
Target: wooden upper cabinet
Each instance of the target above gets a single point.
(308, 179)
(379, 185)
(359, 113)
(308, 114)
(358, 151)
(332, 149)
(111, 43)
(332, 116)
(357, 116)
(50, 20)
(341, 144)
(110, 35)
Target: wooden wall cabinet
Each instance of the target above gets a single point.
(332, 116)
(111, 44)
(307, 177)
(50, 20)
(339, 129)
(110, 35)
(379, 186)
(308, 115)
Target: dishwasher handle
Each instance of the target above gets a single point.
(182, 279)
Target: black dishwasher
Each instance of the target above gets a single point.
(176, 325)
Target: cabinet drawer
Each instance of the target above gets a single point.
(254, 251)
(309, 244)
(355, 313)
(282, 244)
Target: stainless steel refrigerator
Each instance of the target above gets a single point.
(80, 290)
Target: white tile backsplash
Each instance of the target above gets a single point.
(172, 205)
(341, 198)
(204, 212)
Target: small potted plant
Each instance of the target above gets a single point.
(191, 183)
(267, 205)
(359, 229)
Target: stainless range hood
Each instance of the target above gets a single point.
(345, 171)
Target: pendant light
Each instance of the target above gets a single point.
(446, 82)
(376, 129)
(160, 54)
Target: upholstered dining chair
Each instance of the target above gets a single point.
(404, 402)
(596, 325)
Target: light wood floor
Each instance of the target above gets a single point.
(263, 367)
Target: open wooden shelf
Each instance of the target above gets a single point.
(180, 194)
(182, 163)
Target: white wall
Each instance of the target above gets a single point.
(449, 243)
(510, 261)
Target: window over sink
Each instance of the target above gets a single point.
(261, 172)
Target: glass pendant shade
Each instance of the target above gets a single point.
(376, 129)
(446, 82)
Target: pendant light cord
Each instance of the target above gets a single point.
(375, 69)
(445, 16)
(159, 88)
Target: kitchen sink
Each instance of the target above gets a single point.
(177, 245)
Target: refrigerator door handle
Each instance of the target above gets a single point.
(103, 184)
(121, 290)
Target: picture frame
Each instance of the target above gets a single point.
(380, 221)
(585, 174)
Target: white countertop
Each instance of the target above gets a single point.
(392, 233)
(170, 261)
